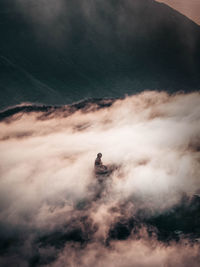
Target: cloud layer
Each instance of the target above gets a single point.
(55, 213)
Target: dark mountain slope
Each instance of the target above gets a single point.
(94, 49)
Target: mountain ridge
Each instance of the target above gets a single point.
(98, 49)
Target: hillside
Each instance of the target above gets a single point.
(94, 49)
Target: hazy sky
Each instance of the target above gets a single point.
(189, 8)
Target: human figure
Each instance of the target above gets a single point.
(99, 167)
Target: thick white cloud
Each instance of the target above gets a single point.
(47, 159)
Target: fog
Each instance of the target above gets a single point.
(48, 186)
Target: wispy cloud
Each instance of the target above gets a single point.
(49, 191)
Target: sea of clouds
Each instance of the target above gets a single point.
(50, 211)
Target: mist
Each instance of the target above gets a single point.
(50, 206)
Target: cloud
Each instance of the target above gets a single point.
(52, 205)
(140, 253)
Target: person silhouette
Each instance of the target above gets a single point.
(99, 167)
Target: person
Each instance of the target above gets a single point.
(99, 167)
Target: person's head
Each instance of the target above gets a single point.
(99, 155)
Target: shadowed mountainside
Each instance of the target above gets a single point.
(94, 49)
